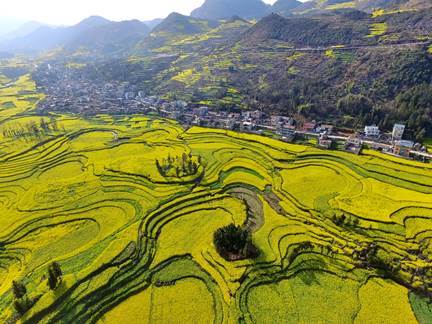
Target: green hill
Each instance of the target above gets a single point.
(308, 66)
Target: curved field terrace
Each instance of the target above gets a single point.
(341, 238)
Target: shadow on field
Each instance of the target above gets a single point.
(308, 277)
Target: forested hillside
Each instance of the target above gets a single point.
(346, 65)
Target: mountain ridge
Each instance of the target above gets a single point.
(222, 9)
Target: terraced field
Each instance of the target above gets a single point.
(342, 238)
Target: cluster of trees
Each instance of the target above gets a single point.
(343, 220)
(32, 129)
(373, 256)
(234, 243)
(179, 166)
(386, 88)
(22, 302)
(415, 106)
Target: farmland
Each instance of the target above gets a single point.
(342, 238)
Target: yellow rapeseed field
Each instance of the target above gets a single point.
(135, 243)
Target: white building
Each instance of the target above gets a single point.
(287, 131)
(398, 131)
(372, 131)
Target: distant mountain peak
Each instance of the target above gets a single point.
(285, 5)
(222, 9)
(93, 21)
(153, 23)
(177, 23)
(23, 30)
(175, 15)
(112, 37)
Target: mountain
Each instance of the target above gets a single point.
(173, 28)
(370, 5)
(330, 29)
(110, 38)
(321, 6)
(153, 23)
(88, 23)
(23, 30)
(46, 38)
(344, 27)
(285, 7)
(176, 23)
(219, 9)
(343, 65)
(93, 35)
(8, 25)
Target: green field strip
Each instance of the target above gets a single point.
(421, 307)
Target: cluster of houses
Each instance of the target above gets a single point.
(68, 92)
(394, 144)
(387, 143)
(288, 129)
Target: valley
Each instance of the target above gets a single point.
(87, 193)
(247, 163)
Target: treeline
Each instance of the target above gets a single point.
(179, 166)
(32, 130)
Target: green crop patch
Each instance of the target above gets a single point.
(377, 29)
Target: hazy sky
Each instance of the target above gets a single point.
(72, 11)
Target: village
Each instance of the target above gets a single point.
(73, 94)
(288, 129)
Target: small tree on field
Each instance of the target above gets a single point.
(54, 275)
(21, 302)
(22, 305)
(19, 290)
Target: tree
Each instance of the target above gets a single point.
(44, 126)
(233, 243)
(355, 105)
(158, 166)
(54, 275)
(21, 306)
(19, 290)
(54, 124)
(21, 302)
(57, 270)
